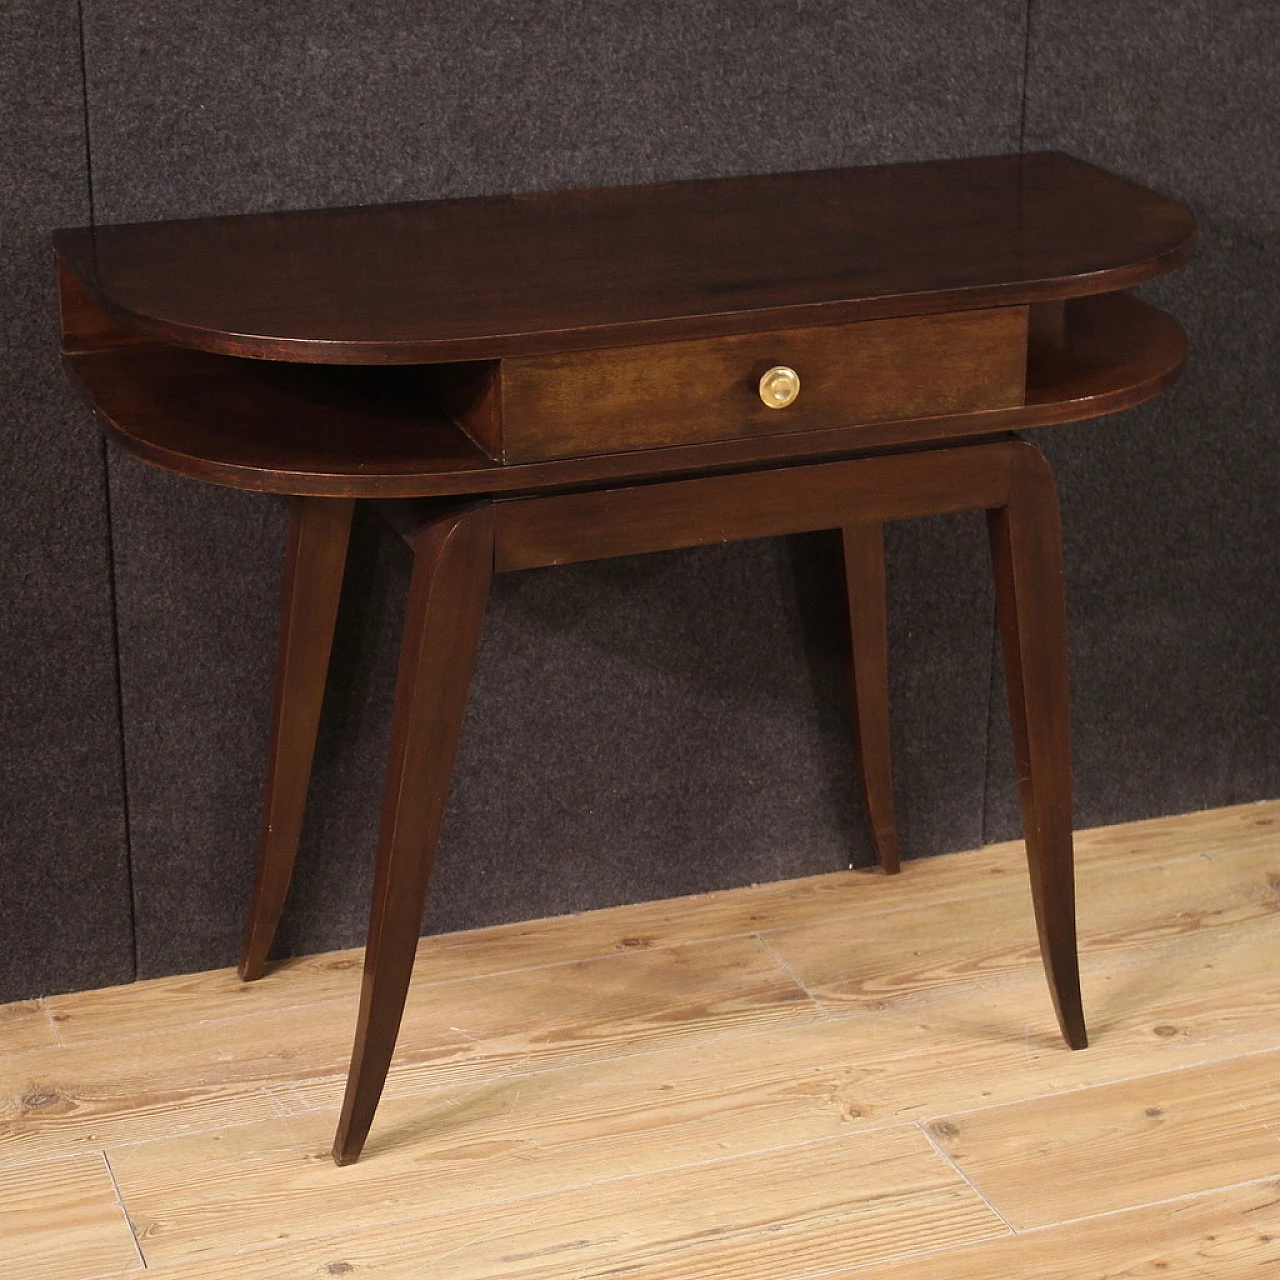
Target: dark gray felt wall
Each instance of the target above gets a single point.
(1172, 511)
(641, 727)
(64, 882)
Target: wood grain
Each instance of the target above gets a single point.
(1163, 992)
(794, 1211)
(1233, 1234)
(592, 1093)
(1145, 849)
(26, 1024)
(502, 276)
(186, 999)
(881, 962)
(600, 523)
(627, 1116)
(61, 1220)
(376, 433)
(453, 1033)
(678, 393)
(53, 1101)
(1171, 1135)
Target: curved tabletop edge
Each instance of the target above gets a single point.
(493, 277)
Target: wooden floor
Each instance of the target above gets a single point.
(841, 1076)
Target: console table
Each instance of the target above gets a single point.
(539, 379)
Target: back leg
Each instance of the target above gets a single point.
(319, 531)
(869, 633)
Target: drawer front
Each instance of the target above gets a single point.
(674, 393)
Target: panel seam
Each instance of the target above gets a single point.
(994, 655)
(124, 1210)
(947, 1159)
(1026, 70)
(112, 585)
(84, 107)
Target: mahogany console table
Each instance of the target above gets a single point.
(538, 379)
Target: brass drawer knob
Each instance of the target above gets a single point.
(779, 386)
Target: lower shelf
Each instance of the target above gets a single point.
(369, 431)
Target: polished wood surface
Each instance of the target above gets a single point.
(630, 1092)
(316, 555)
(368, 433)
(546, 272)
(85, 326)
(452, 566)
(1030, 588)
(862, 547)
(677, 393)
(457, 550)
(598, 523)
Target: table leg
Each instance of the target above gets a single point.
(452, 569)
(1026, 552)
(869, 635)
(319, 531)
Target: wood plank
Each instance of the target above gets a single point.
(895, 958)
(187, 999)
(1160, 1136)
(1232, 1234)
(624, 1116)
(55, 1101)
(1177, 1007)
(793, 1212)
(479, 1120)
(1132, 848)
(25, 1024)
(1157, 1006)
(515, 1137)
(61, 1221)
(1239, 827)
(112, 1091)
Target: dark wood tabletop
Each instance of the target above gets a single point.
(501, 276)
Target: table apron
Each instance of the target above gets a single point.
(533, 532)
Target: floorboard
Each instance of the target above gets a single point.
(61, 1220)
(847, 1075)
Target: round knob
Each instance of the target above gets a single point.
(779, 386)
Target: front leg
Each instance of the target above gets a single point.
(1026, 552)
(452, 569)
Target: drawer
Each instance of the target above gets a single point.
(531, 409)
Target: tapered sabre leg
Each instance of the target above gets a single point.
(1026, 552)
(319, 531)
(453, 566)
(869, 633)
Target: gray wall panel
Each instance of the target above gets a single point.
(197, 583)
(1173, 536)
(64, 888)
(639, 728)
